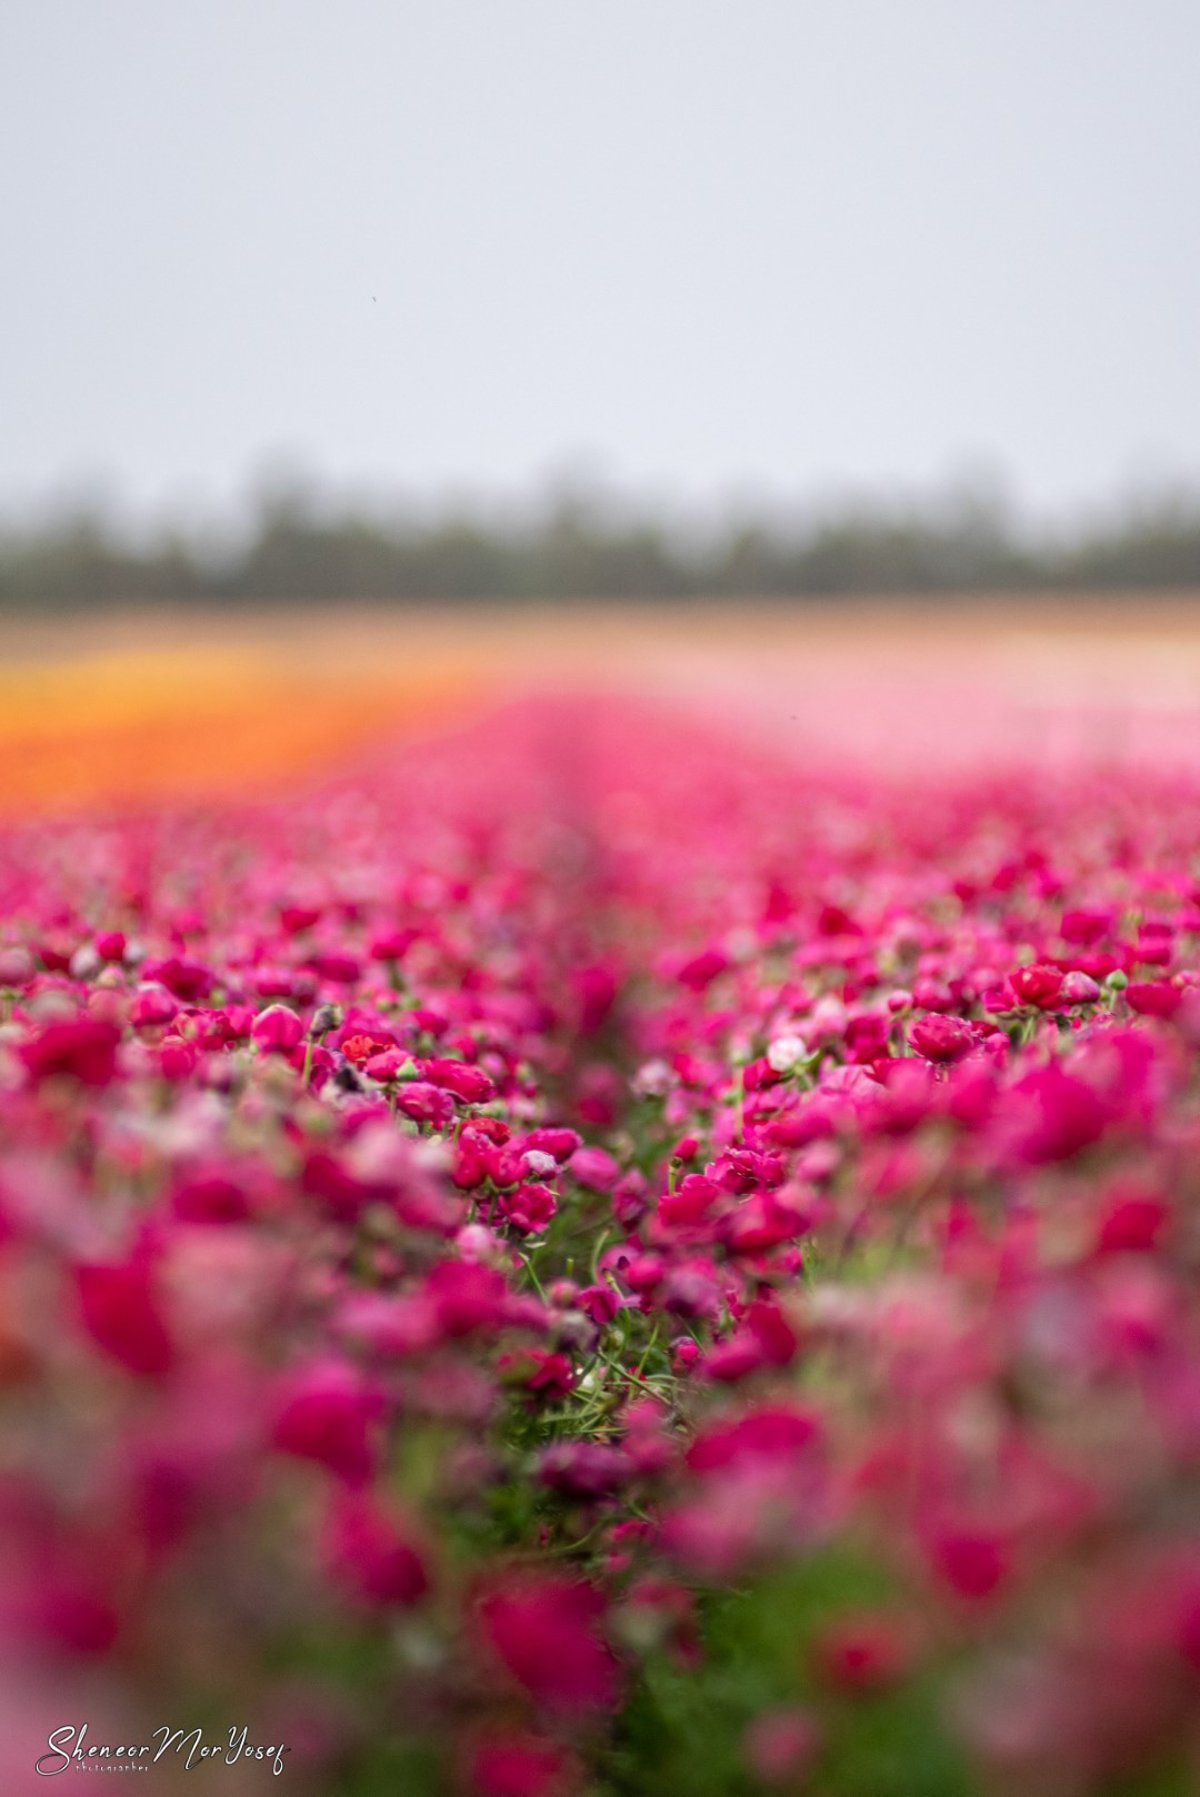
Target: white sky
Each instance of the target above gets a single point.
(747, 246)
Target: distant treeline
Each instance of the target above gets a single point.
(297, 552)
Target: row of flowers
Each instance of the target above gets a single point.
(586, 1258)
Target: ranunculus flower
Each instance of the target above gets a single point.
(594, 1168)
(863, 1653)
(1037, 985)
(561, 1143)
(120, 1310)
(467, 1082)
(1132, 1223)
(780, 1745)
(83, 1049)
(424, 1103)
(974, 1563)
(517, 1765)
(329, 1412)
(939, 1038)
(371, 1553)
(530, 1208)
(277, 1030)
(1153, 998)
(546, 1631)
(466, 1296)
(702, 969)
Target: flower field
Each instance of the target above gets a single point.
(590, 1254)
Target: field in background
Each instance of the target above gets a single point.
(147, 705)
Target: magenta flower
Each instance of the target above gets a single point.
(277, 1030)
(594, 1169)
(83, 1050)
(545, 1630)
(941, 1039)
(328, 1412)
(371, 1554)
(121, 1311)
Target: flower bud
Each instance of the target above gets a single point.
(325, 1018)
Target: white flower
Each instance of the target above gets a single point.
(84, 962)
(538, 1164)
(786, 1053)
(653, 1080)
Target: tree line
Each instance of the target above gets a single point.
(295, 552)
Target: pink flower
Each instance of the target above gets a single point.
(770, 1432)
(277, 1030)
(1053, 1115)
(974, 1563)
(561, 1143)
(371, 1554)
(781, 1745)
(212, 1197)
(120, 1312)
(530, 1208)
(1132, 1223)
(595, 991)
(328, 1412)
(518, 1765)
(733, 1360)
(1085, 927)
(702, 969)
(1037, 985)
(1154, 998)
(84, 1050)
(469, 1083)
(177, 1058)
(599, 1302)
(548, 1375)
(385, 1065)
(295, 919)
(941, 1038)
(392, 945)
(424, 1103)
(152, 1004)
(863, 1653)
(336, 966)
(467, 1297)
(470, 1167)
(691, 1204)
(545, 1630)
(187, 980)
(594, 1169)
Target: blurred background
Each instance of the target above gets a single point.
(795, 357)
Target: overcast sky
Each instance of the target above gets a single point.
(713, 246)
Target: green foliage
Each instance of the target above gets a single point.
(683, 1726)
